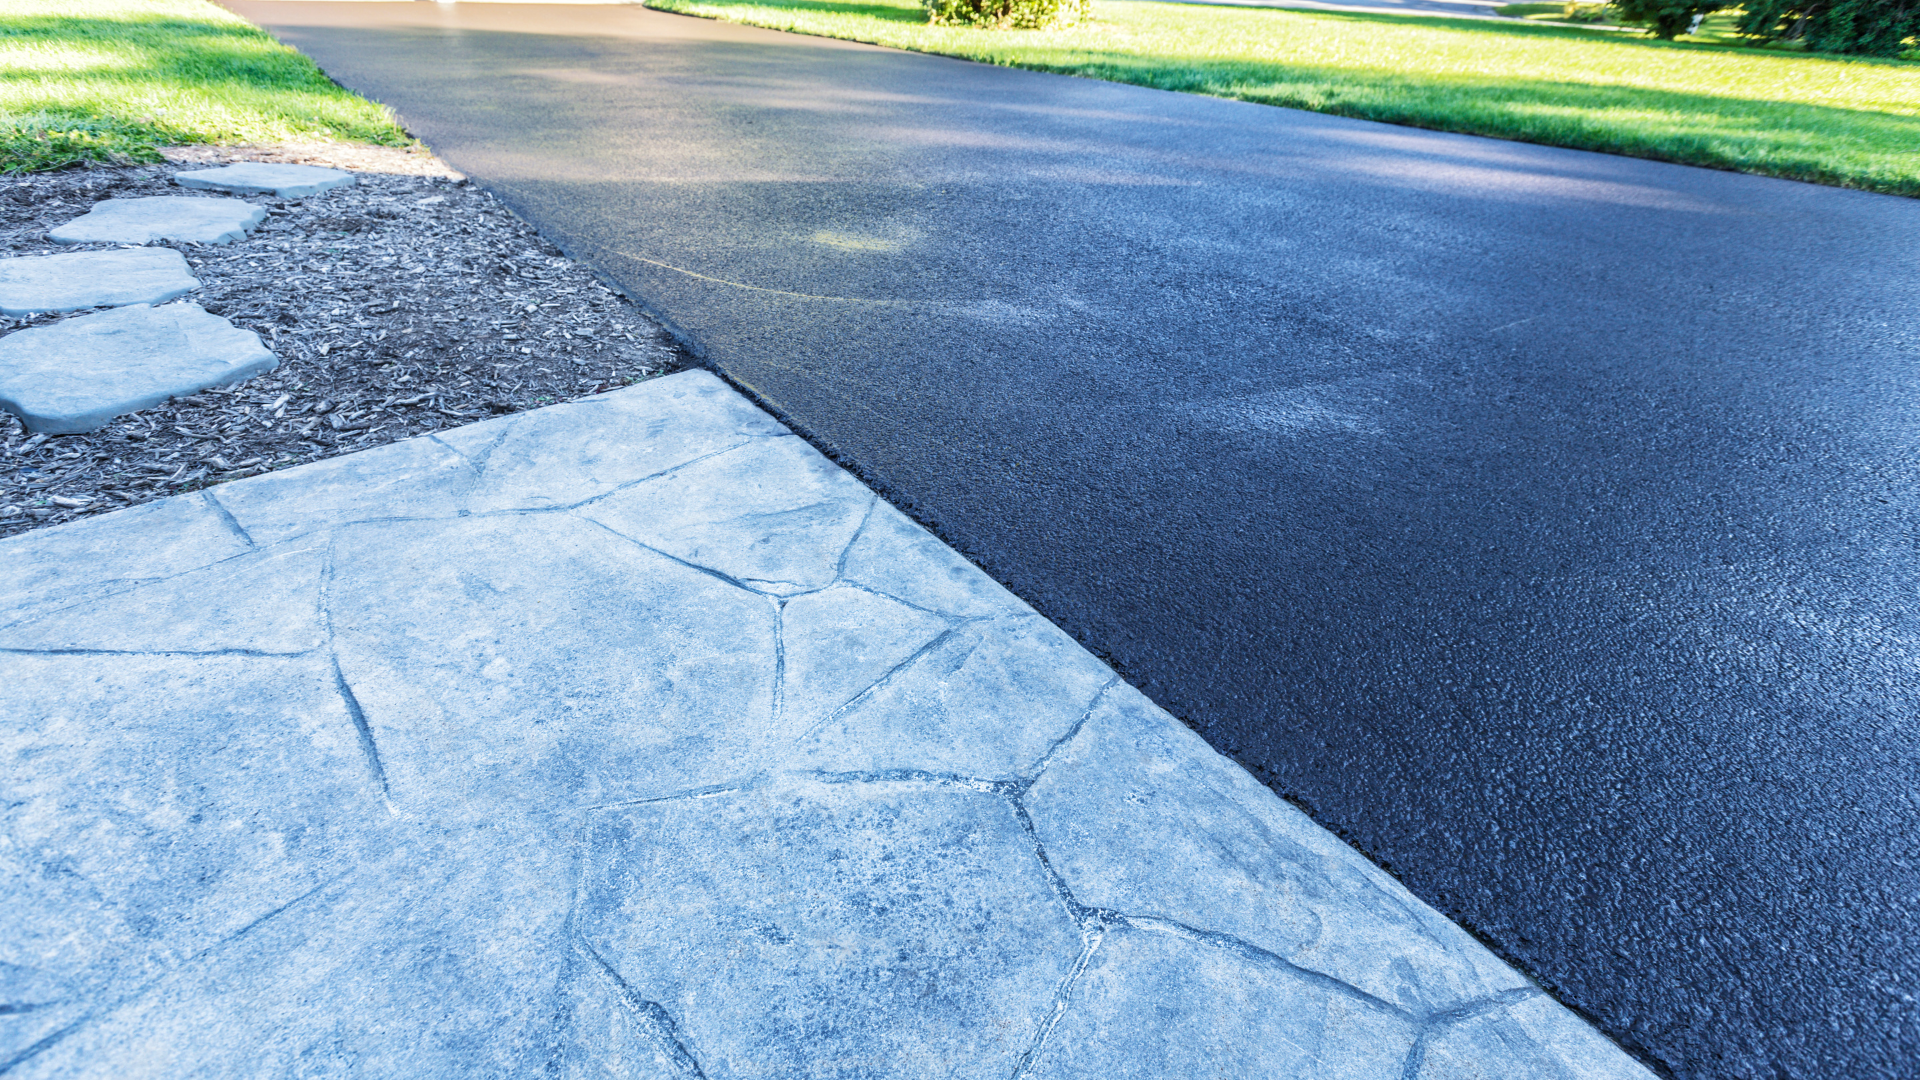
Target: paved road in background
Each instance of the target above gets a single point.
(1543, 522)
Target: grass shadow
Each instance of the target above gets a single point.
(885, 13)
(1669, 101)
(157, 78)
(1632, 39)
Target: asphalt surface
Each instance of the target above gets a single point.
(1542, 521)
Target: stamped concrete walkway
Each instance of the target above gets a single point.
(631, 737)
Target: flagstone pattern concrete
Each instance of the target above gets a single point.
(80, 373)
(84, 279)
(633, 737)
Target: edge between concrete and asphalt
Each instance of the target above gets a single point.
(633, 734)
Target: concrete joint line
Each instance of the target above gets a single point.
(654, 1018)
(363, 729)
(227, 518)
(1062, 999)
(79, 1024)
(875, 687)
(717, 575)
(1433, 1025)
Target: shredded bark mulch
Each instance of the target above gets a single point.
(403, 304)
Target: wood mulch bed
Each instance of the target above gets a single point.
(403, 304)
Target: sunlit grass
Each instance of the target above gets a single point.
(109, 80)
(1854, 123)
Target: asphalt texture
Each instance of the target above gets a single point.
(1543, 522)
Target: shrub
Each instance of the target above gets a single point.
(1018, 14)
(1664, 19)
(1576, 11)
(1861, 27)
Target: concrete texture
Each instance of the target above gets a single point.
(161, 217)
(669, 753)
(80, 373)
(84, 279)
(1539, 520)
(256, 177)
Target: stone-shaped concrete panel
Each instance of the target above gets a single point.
(266, 603)
(838, 642)
(1536, 1038)
(987, 700)
(437, 956)
(831, 930)
(567, 454)
(1154, 1006)
(98, 556)
(161, 217)
(78, 374)
(84, 279)
(415, 478)
(540, 661)
(160, 805)
(1140, 816)
(773, 515)
(894, 556)
(260, 177)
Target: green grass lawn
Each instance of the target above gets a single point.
(1853, 123)
(108, 80)
(1720, 28)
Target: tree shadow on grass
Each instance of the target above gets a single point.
(170, 50)
(154, 28)
(205, 64)
(1822, 144)
(1845, 147)
(1522, 29)
(912, 14)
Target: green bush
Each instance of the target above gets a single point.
(1576, 11)
(1664, 19)
(1860, 27)
(1018, 14)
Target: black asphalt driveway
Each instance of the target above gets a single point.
(1543, 522)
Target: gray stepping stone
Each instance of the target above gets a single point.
(286, 181)
(161, 217)
(86, 279)
(1124, 806)
(78, 374)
